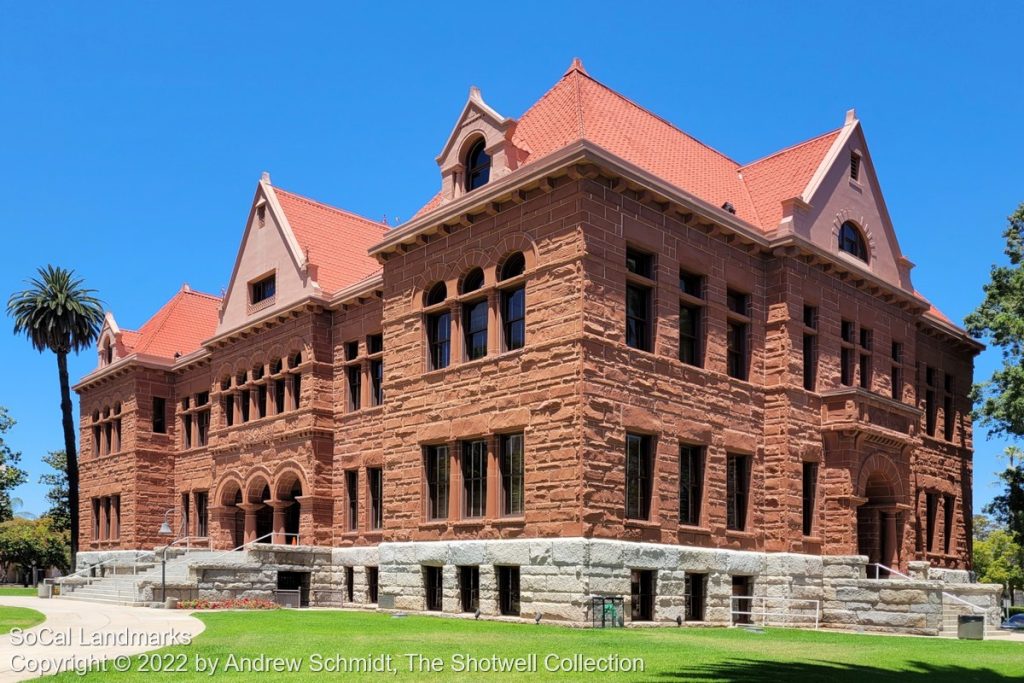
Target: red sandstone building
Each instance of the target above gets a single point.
(600, 335)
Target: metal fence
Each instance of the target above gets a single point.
(767, 611)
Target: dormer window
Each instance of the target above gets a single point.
(263, 289)
(478, 166)
(851, 240)
(108, 353)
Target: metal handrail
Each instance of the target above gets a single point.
(91, 567)
(879, 565)
(765, 613)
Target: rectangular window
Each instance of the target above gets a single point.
(865, 371)
(691, 483)
(186, 515)
(811, 317)
(355, 387)
(846, 331)
(350, 584)
(375, 480)
(689, 334)
(846, 366)
(202, 427)
(159, 415)
(931, 503)
(261, 400)
(439, 332)
(736, 342)
(896, 376)
(948, 412)
(372, 584)
(186, 430)
(115, 523)
(469, 588)
(229, 409)
(640, 263)
(202, 513)
(737, 491)
(435, 466)
(695, 590)
(638, 476)
(948, 532)
(641, 593)
(433, 587)
(810, 488)
(508, 590)
(511, 468)
(263, 289)
(108, 437)
(930, 407)
(106, 518)
(377, 382)
(352, 494)
(691, 283)
(375, 344)
(97, 438)
(279, 393)
(351, 350)
(737, 302)
(638, 317)
(810, 362)
(474, 478)
(474, 323)
(245, 399)
(865, 339)
(296, 390)
(513, 318)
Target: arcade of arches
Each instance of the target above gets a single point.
(262, 508)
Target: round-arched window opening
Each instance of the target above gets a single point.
(478, 166)
(295, 360)
(851, 240)
(473, 281)
(514, 266)
(437, 294)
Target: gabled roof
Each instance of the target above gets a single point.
(334, 240)
(179, 327)
(784, 175)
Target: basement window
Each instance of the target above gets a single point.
(508, 590)
(642, 582)
(433, 586)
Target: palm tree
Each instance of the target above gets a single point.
(58, 314)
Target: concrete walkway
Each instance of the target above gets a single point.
(80, 634)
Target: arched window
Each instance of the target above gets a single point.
(473, 281)
(437, 294)
(478, 166)
(514, 266)
(851, 240)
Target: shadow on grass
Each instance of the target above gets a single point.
(758, 671)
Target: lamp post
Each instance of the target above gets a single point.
(165, 530)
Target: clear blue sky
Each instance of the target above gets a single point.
(133, 134)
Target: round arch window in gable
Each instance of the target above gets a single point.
(851, 240)
(478, 166)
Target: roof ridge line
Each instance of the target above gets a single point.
(791, 147)
(330, 207)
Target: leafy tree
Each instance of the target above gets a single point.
(56, 313)
(982, 526)
(1000, 400)
(10, 474)
(57, 495)
(998, 558)
(25, 542)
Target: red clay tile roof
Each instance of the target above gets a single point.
(936, 312)
(784, 175)
(579, 107)
(179, 326)
(337, 241)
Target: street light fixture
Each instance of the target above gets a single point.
(165, 530)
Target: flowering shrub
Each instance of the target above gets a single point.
(231, 603)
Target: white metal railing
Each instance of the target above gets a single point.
(769, 611)
(879, 568)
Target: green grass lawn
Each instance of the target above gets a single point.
(18, 617)
(17, 590)
(669, 654)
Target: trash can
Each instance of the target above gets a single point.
(970, 627)
(45, 590)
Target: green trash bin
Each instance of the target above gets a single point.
(970, 627)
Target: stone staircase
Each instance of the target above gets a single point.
(138, 583)
(951, 611)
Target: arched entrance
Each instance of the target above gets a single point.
(232, 515)
(289, 508)
(879, 520)
(259, 495)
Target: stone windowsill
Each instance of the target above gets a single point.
(687, 529)
(473, 522)
(489, 358)
(734, 533)
(368, 410)
(641, 524)
(813, 539)
(509, 521)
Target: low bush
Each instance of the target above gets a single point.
(231, 603)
